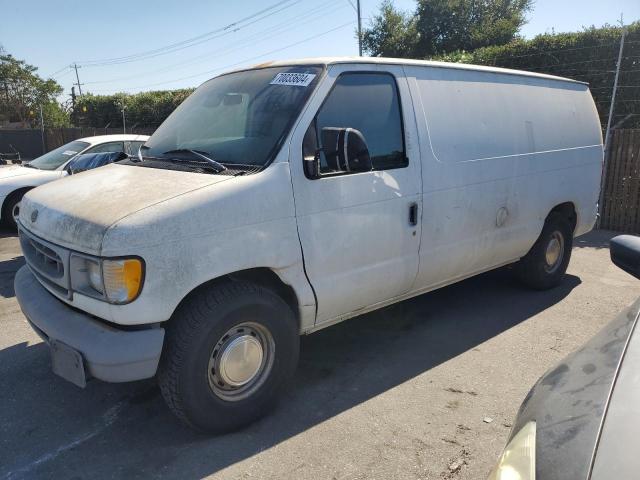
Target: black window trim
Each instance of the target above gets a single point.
(402, 131)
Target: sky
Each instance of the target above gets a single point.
(54, 34)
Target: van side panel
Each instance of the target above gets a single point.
(499, 152)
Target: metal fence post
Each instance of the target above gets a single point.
(607, 137)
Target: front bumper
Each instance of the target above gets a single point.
(108, 353)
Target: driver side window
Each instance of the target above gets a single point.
(367, 102)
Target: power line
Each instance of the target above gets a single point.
(205, 37)
(266, 34)
(351, 3)
(308, 39)
(59, 71)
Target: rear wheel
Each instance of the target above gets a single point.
(11, 209)
(544, 266)
(229, 351)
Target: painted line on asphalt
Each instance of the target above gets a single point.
(108, 418)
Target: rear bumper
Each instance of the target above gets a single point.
(109, 354)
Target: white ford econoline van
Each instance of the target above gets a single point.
(284, 198)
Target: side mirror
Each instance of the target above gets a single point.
(625, 253)
(345, 150)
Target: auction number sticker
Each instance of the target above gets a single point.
(293, 79)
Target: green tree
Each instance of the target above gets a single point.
(145, 109)
(391, 33)
(441, 26)
(24, 92)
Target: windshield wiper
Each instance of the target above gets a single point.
(217, 166)
(141, 158)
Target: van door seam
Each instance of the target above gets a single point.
(420, 196)
(304, 263)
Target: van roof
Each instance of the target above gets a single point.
(405, 61)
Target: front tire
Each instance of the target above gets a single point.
(11, 210)
(229, 351)
(544, 266)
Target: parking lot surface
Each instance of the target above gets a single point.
(423, 389)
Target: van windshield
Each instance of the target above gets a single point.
(236, 119)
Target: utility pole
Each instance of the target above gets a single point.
(359, 31)
(75, 65)
(74, 114)
(615, 90)
(607, 137)
(44, 148)
(124, 119)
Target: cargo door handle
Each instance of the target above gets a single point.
(413, 214)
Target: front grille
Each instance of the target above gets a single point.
(45, 259)
(49, 262)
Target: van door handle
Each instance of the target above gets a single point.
(413, 214)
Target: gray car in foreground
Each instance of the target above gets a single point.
(581, 419)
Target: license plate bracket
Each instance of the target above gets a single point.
(67, 363)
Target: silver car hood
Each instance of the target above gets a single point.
(76, 212)
(10, 171)
(569, 404)
(616, 453)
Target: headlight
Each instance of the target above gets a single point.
(113, 280)
(122, 279)
(94, 275)
(518, 460)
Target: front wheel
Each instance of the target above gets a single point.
(229, 351)
(544, 266)
(11, 210)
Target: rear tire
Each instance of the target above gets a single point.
(544, 266)
(11, 209)
(229, 351)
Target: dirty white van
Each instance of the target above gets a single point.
(281, 199)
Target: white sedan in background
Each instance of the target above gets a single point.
(16, 180)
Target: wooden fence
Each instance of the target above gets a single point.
(621, 206)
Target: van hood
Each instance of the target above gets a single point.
(76, 211)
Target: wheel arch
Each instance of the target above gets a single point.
(567, 210)
(263, 276)
(11, 196)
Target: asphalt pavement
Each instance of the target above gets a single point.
(424, 389)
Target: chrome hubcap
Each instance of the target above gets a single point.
(16, 211)
(241, 361)
(554, 252)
